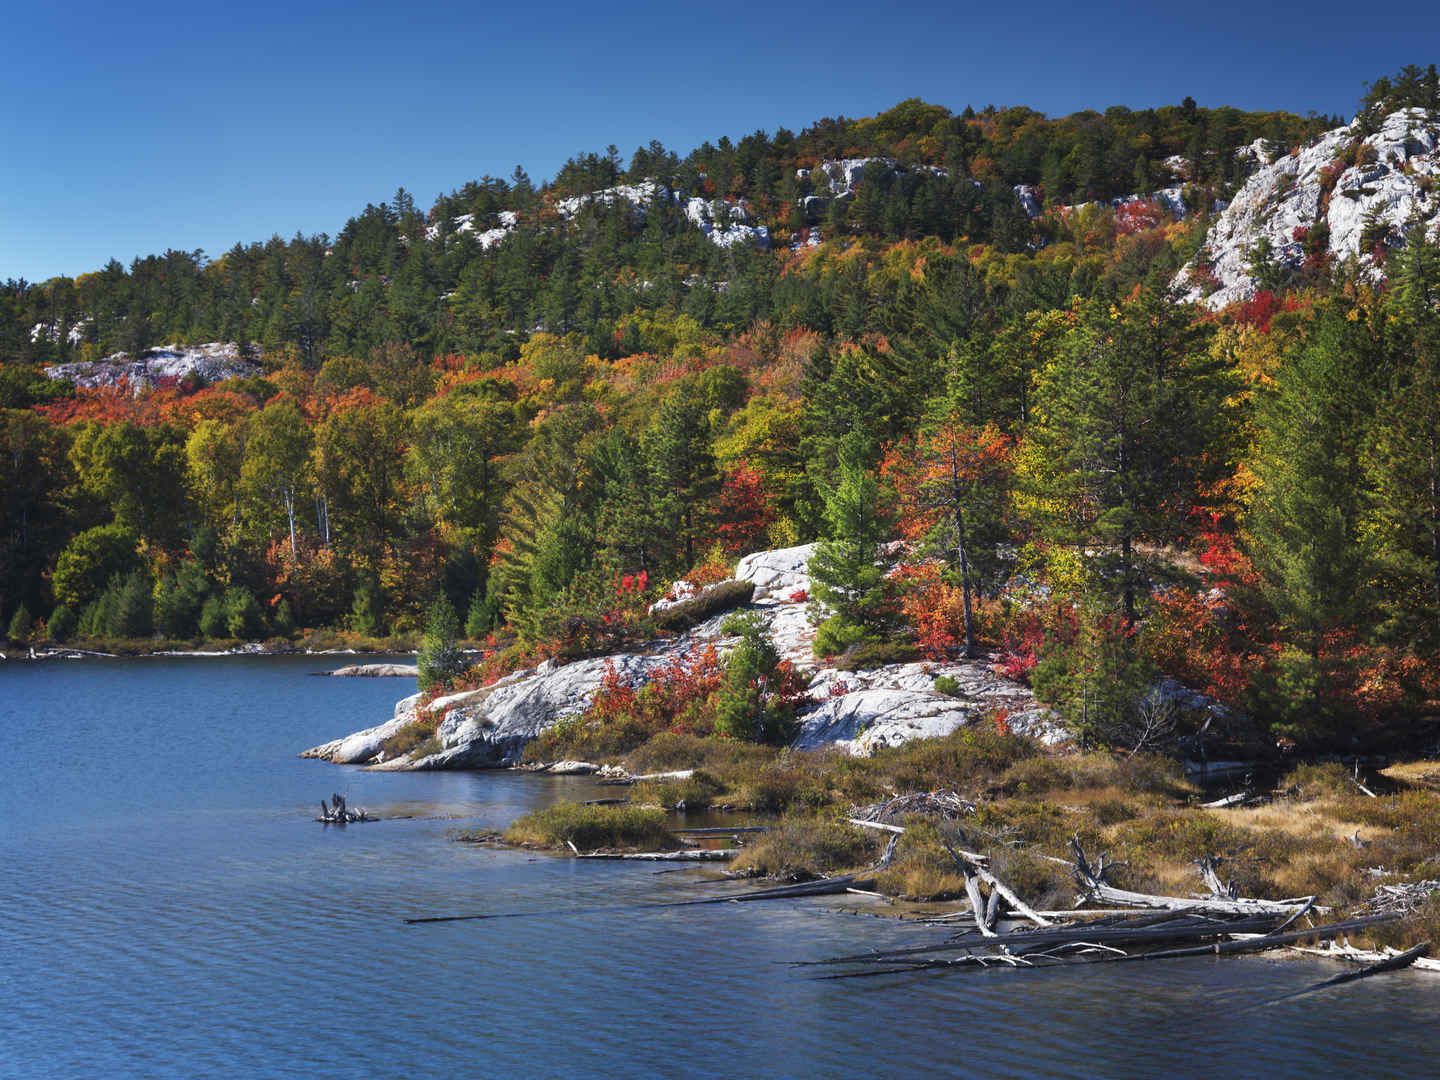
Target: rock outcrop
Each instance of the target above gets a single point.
(1366, 191)
(724, 224)
(860, 711)
(213, 363)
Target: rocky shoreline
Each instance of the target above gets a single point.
(860, 711)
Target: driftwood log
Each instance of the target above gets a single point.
(337, 813)
(1093, 886)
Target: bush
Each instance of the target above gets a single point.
(873, 654)
(593, 827)
(711, 602)
(124, 610)
(946, 684)
(838, 634)
(179, 600)
(758, 697)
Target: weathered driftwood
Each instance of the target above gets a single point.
(1350, 954)
(1096, 944)
(1093, 886)
(824, 886)
(337, 813)
(944, 804)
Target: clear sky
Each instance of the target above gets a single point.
(129, 128)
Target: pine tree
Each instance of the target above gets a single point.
(847, 571)
(1306, 525)
(440, 661)
(1128, 425)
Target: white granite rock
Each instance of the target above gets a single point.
(213, 362)
(1286, 196)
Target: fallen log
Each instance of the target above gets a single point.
(1096, 947)
(1353, 955)
(1094, 887)
(1388, 963)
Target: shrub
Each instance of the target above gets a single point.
(873, 654)
(760, 692)
(946, 684)
(212, 616)
(243, 616)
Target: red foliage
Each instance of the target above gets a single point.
(1020, 648)
(746, 509)
(1138, 216)
(799, 596)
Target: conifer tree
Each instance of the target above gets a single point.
(847, 571)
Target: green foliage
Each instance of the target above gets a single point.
(125, 609)
(63, 623)
(213, 616)
(366, 610)
(753, 703)
(179, 600)
(440, 660)
(946, 684)
(91, 560)
(243, 615)
(873, 654)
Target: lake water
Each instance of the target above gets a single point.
(170, 909)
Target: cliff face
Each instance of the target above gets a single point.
(861, 710)
(1365, 193)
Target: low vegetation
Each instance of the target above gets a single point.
(593, 828)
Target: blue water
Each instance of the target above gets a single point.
(169, 909)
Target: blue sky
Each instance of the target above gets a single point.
(131, 128)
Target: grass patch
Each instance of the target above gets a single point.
(592, 828)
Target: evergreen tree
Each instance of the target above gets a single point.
(1128, 426)
(440, 661)
(1315, 560)
(847, 571)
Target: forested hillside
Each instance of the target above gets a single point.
(955, 330)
